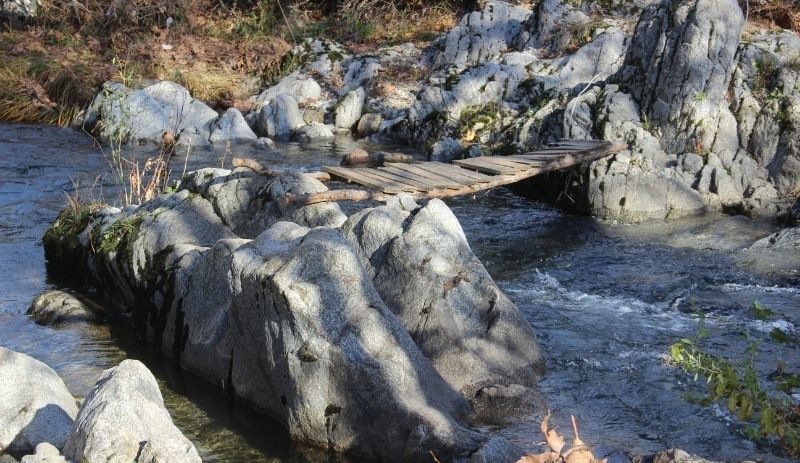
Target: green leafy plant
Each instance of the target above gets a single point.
(736, 384)
(760, 311)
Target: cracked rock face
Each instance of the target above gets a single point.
(481, 36)
(314, 320)
(679, 65)
(423, 268)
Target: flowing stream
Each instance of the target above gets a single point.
(606, 302)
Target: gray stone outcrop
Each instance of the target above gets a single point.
(280, 118)
(231, 127)
(711, 122)
(678, 68)
(295, 85)
(142, 116)
(35, 405)
(421, 264)
(123, 419)
(480, 36)
(328, 357)
(348, 110)
(296, 319)
(18, 12)
(551, 26)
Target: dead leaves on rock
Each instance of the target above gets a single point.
(578, 452)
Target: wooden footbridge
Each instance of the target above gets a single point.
(423, 180)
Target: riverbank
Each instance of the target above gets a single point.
(712, 129)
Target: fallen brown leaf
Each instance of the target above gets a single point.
(553, 439)
(546, 457)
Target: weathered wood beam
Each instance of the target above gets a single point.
(258, 168)
(567, 161)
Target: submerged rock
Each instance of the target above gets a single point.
(53, 307)
(35, 405)
(123, 419)
(784, 240)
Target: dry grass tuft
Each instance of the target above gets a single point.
(209, 84)
(781, 13)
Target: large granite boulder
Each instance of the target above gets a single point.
(231, 127)
(35, 405)
(296, 85)
(328, 357)
(292, 320)
(123, 419)
(348, 110)
(422, 266)
(678, 68)
(280, 118)
(142, 116)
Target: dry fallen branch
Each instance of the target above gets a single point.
(256, 166)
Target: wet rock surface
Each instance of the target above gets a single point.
(53, 307)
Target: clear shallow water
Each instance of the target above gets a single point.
(605, 300)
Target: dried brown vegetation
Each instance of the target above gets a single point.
(781, 13)
(577, 452)
(222, 51)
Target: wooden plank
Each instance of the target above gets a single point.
(508, 162)
(593, 143)
(352, 175)
(541, 158)
(498, 180)
(439, 180)
(483, 165)
(450, 169)
(551, 152)
(462, 176)
(411, 182)
(429, 183)
(377, 176)
(529, 162)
